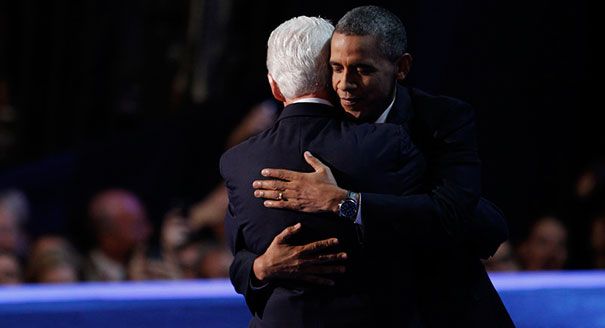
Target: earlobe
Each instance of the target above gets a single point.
(403, 66)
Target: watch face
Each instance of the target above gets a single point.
(348, 209)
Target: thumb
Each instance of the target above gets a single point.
(287, 233)
(314, 162)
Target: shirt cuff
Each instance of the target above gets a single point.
(358, 218)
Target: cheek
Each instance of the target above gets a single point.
(336, 80)
(373, 87)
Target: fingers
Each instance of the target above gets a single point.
(318, 245)
(287, 233)
(272, 194)
(291, 204)
(316, 164)
(324, 259)
(269, 185)
(281, 174)
(329, 258)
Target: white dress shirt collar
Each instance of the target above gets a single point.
(313, 100)
(385, 114)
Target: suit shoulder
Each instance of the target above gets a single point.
(440, 115)
(232, 156)
(430, 104)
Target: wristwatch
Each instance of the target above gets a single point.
(348, 207)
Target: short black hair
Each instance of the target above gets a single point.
(378, 22)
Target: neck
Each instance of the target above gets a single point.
(320, 94)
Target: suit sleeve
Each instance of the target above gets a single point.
(448, 214)
(240, 271)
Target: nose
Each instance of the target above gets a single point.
(348, 81)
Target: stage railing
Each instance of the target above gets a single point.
(534, 299)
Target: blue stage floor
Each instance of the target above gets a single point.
(540, 299)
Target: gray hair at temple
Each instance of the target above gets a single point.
(377, 22)
(298, 51)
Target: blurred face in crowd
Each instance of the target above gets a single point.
(363, 78)
(9, 231)
(131, 225)
(121, 220)
(546, 247)
(63, 273)
(10, 274)
(52, 259)
(597, 237)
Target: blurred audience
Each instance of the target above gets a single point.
(13, 216)
(214, 260)
(53, 259)
(546, 245)
(121, 231)
(590, 185)
(597, 241)
(10, 273)
(190, 243)
(210, 211)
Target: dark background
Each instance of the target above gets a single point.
(142, 94)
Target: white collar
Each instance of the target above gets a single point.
(107, 268)
(313, 100)
(383, 116)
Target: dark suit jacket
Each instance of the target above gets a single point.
(373, 158)
(436, 224)
(453, 287)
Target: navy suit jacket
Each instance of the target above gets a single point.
(450, 227)
(448, 221)
(363, 157)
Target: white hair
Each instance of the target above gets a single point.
(298, 54)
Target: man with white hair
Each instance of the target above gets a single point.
(362, 157)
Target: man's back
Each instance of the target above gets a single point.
(367, 158)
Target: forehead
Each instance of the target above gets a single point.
(354, 48)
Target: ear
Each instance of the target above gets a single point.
(404, 63)
(275, 89)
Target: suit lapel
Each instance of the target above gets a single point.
(401, 112)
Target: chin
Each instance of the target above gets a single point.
(353, 110)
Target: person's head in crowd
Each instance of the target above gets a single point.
(119, 222)
(546, 245)
(368, 56)
(297, 59)
(590, 185)
(10, 272)
(597, 241)
(503, 260)
(14, 211)
(53, 259)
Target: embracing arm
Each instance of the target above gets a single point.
(252, 275)
(447, 214)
